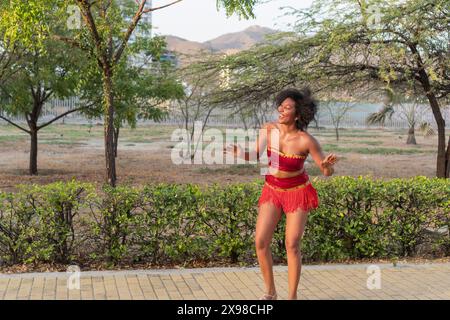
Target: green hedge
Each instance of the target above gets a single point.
(167, 223)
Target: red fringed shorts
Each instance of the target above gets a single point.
(290, 194)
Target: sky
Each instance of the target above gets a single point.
(199, 20)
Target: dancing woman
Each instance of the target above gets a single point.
(287, 187)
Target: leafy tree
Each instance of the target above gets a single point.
(36, 77)
(142, 85)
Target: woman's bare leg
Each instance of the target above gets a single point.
(295, 226)
(268, 217)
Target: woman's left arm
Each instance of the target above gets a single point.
(325, 164)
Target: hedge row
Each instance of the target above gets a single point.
(167, 223)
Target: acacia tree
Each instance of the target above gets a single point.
(337, 111)
(408, 108)
(193, 106)
(254, 115)
(399, 46)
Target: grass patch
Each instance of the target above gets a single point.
(153, 131)
(364, 150)
(62, 142)
(347, 135)
(12, 138)
(237, 169)
(70, 132)
(137, 140)
(371, 143)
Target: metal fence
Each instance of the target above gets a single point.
(225, 118)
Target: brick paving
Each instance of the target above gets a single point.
(344, 282)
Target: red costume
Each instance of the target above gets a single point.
(288, 193)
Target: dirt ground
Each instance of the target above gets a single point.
(67, 151)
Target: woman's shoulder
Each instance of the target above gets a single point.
(305, 134)
(307, 137)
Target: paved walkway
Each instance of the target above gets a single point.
(406, 281)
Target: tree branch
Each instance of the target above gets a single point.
(134, 23)
(131, 27)
(161, 7)
(70, 41)
(90, 22)
(62, 115)
(14, 124)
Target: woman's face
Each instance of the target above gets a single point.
(287, 112)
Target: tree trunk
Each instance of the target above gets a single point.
(440, 161)
(411, 136)
(424, 80)
(447, 159)
(337, 133)
(116, 140)
(243, 121)
(33, 150)
(109, 126)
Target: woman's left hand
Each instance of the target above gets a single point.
(329, 160)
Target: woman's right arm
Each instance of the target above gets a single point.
(260, 145)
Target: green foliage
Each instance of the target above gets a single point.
(18, 19)
(230, 216)
(41, 74)
(243, 8)
(361, 218)
(39, 222)
(113, 220)
(169, 227)
(17, 229)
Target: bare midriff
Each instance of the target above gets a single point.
(284, 174)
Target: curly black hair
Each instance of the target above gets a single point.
(305, 105)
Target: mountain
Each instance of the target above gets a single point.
(184, 46)
(227, 43)
(238, 41)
